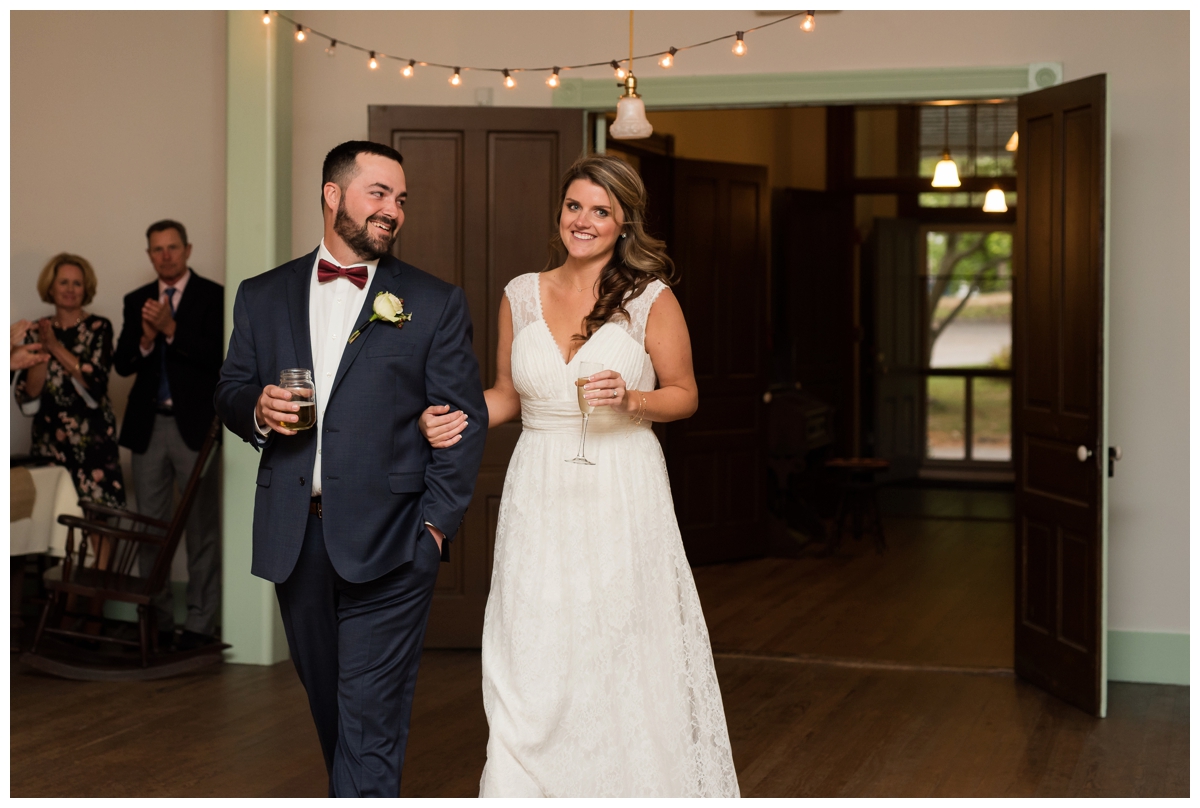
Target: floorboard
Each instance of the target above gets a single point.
(860, 675)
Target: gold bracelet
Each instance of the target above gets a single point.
(641, 410)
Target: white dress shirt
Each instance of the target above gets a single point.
(333, 310)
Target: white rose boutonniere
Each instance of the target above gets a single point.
(386, 307)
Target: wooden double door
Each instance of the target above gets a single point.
(483, 188)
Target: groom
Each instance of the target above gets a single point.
(352, 517)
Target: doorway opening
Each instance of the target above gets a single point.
(890, 338)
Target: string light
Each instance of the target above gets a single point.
(266, 18)
(620, 71)
(810, 22)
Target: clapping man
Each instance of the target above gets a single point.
(172, 338)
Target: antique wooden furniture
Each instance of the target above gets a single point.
(101, 563)
(858, 500)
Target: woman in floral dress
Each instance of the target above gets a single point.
(73, 422)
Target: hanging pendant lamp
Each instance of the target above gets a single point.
(945, 174)
(994, 202)
(631, 123)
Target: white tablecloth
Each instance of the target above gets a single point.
(41, 532)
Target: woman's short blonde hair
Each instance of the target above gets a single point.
(50, 271)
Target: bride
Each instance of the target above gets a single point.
(598, 677)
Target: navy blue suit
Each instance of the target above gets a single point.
(355, 584)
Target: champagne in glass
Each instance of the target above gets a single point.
(586, 369)
(299, 382)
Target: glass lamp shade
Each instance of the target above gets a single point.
(994, 202)
(945, 175)
(1011, 145)
(631, 122)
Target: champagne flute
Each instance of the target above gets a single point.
(586, 369)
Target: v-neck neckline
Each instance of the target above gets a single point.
(537, 279)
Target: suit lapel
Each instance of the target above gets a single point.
(298, 283)
(387, 276)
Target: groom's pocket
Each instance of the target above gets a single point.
(411, 483)
(264, 478)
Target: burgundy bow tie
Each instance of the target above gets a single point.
(327, 272)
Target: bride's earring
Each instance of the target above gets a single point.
(622, 235)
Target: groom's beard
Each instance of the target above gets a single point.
(368, 243)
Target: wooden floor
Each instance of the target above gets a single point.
(857, 675)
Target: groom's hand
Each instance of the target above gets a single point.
(272, 408)
(438, 536)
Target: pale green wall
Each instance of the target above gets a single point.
(258, 237)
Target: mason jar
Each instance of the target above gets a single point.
(299, 382)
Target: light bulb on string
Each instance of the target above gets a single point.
(372, 62)
(739, 47)
(456, 79)
(266, 18)
(331, 49)
(407, 71)
(668, 58)
(553, 81)
(809, 22)
(300, 35)
(618, 71)
(509, 81)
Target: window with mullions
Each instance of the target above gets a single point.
(977, 136)
(968, 344)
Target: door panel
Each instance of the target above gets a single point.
(890, 255)
(716, 458)
(812, 290)
(1058, 402)
(483, 187)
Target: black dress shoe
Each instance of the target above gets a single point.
(191, 639)
(166, 640)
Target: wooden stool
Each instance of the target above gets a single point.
(857, 499)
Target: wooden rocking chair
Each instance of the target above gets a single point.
(101, 563)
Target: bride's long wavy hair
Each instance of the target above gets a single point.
(637, 260)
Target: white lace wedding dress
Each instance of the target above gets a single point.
(598, 677)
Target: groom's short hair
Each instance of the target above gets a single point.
(341, 162)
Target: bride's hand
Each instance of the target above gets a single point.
(441, 427)
(605, 389)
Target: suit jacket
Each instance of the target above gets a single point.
(380, 480)
(193, 362)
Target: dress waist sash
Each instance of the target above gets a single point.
(564, 416)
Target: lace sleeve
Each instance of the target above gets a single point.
(522, 294)
(639, 310)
